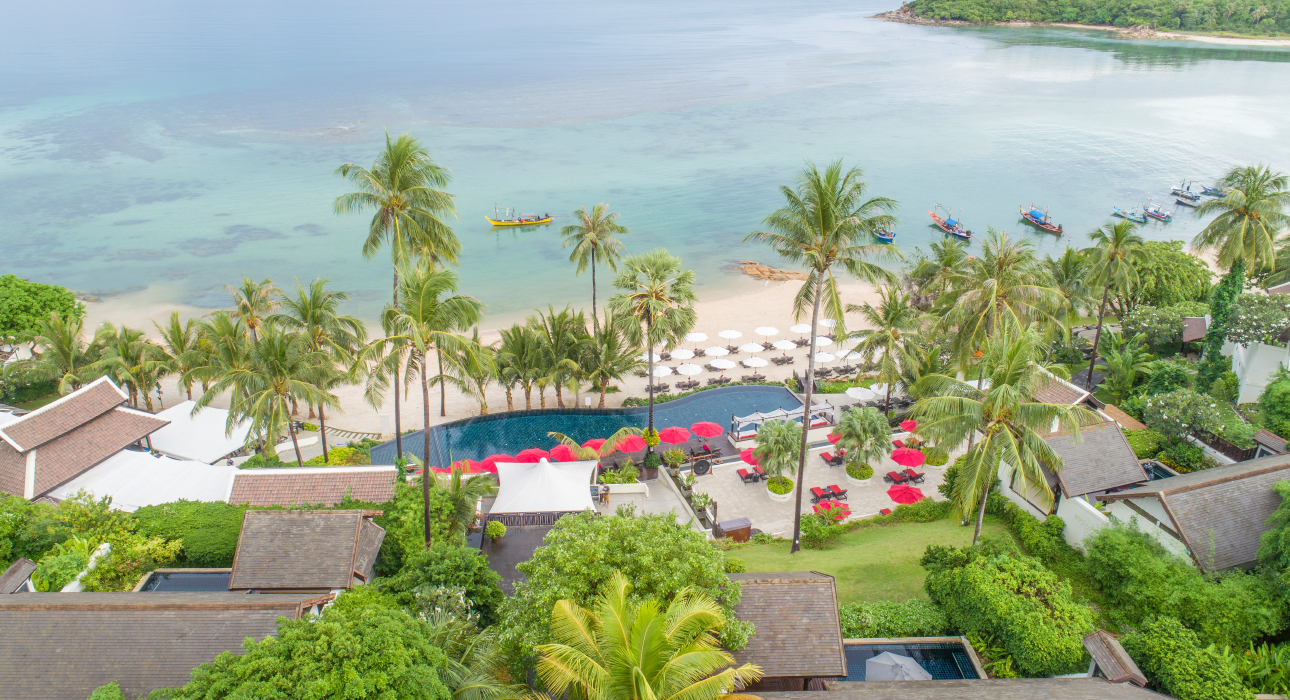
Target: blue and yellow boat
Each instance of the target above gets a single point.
(513, 219)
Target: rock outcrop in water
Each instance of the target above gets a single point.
(752, 268)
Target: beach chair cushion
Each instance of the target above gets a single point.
(743, 474)
(838, 492)
(819, 492)
(827, 456)
(897, 477)
(885, 511)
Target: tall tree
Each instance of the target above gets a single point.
(1069, 274)
(931, 275)
(131, 360)
(655, 306)
(59, 352)
(592, 238)
(470, 371)
(1116, 247)
(563, 341)
(893, 332)
(1007, 416)
(519, 362)
(610, 357)
(254, 302)
(1249, 219)
(625, 649)
(336, 338)
(180, 349)
(824, 224)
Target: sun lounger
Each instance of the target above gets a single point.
(746, 477)
(831, 459)
(895, 478)
(819, 494)
(898, 443)
(838, 492)
(699, 352)
(710, 368)
(714, 381)
(885, 511)
(914, 476)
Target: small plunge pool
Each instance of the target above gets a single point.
(945, 660)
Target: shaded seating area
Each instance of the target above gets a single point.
(820, 415)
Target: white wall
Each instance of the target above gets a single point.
(1254, 364)
(1122, 512)
(1005, 476)
(1081, 518)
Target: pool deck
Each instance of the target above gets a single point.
(736, 499)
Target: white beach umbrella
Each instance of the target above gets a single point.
(662, 371)
(828, 323)
(767, 331)
(716, 351)
(822, 342)
(878, 389)
(722, 364)
(853, 355)
(730, 335)
(682, 354)
(860, 393)
(801, 328)
(689, 370)
(696, 337)
(751, 347)
(894, 667)
(824, 357)
(755, 362)
(784, 345)
(644, 357)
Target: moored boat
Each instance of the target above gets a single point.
(1217, 192)
(1183, 190)
(949, 225)
(884, 236)
(510, 218)
(1130, 214)
(1040, 219)
(1186, 202)
(1155, 211)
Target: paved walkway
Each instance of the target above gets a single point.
(736, 499)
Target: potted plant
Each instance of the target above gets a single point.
(687, 485)
(701, 502)
(674, 458)
(864, 434)
(495, 530)
(779, 444)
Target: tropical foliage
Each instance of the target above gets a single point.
(1205, 16)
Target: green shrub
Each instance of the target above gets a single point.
(859, 471)
(208, 531)
(779, 485)
(1145, 443)
(259, 461)
(309, 426)
(937, 456)
(1275, 402)
(817, 534)
(1026, 607)
(1181, 413)
(129, 559)
(1274, 544)
(61, 565)
(495, 530)
(339, 456)
(26, 529)
(924, 511)
(448, 565)
(674, 457)
(887, 619)
(1041, 539)
(626, 474)
(1184, 457)
(18, 385)
(735, 565)
(1174, 661)
(111, 691)
(1264, 668)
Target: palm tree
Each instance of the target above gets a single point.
(864, 434)
(463, 496)
(609, 357)
(401, 188)
(627, 650)
(315, 313)
(59, 352)
(1249, 219)
(254, 302)
(519, 362)
(223, 347)
(824, 224)
(563, 340)
(655, 307)
(1125, 359)
(778, 445)
(1116, 247)
(1069, 274)
(130, 360)
(280, 369)
(1011, 422)
(592, 237)
(932, 274)
(893, 330)
(180, 349)
(471, 371)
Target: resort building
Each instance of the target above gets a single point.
(798, 637)
(309, 486)
(305, 550)
(985, 689)
(203, 436)
(1212, 517)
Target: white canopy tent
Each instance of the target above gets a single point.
(137, 479)
(544, 487)
(198, 437)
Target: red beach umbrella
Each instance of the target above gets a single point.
(594, 444)
(673, 435)
(489, 463)
(441, 470)
(747, 457)
(833, 438)
(631, 443)
(563, 453)
(467, 466)
(905, 494)
(909, 426)
(907, 457)
(706, 429)
(532, 455)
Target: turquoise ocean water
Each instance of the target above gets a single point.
(176, 146)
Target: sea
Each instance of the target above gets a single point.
(153, 147)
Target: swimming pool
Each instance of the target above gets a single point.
(512, 431)
(178, 580)
(944, 660)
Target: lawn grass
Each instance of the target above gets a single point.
(37, 403)
(872, 563)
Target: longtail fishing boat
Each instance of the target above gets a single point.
(947, 224)
(1130, 214)
(1186, 202)
(1040, 219)
(510, 218)
(1213, 191)
(1157, 212)
(1183, 191)
(884, 236)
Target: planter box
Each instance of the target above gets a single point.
(857, 482)
(780, 498)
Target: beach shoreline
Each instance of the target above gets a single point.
(904, 15)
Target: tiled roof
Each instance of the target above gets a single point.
(77, 408)
(312, 486)
(1279, 289)
(1101, 460)
(74, 452)
(796, 619)
(302, 549)
(986, 689)
(1220, 512)
(71, 643)
(1112, 660)
(1053, 390)
(370, 536)
(1194, 328)
(1125, 420)
(1271, 440)
(16, 575)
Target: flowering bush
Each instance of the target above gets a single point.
(651, 437)
(832, 511)
(1181, 413)
(887, 618)
(1258, 318)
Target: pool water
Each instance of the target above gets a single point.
(944, 660)
(512, 431)
(187, 581)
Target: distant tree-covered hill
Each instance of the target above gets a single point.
(1263, 17)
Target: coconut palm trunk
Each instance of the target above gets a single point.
(649, 380)
(595, 320)
(322, 431)
(806, 414)
(291, 428)
(425, 447)
(1097, 337)
(443, 390)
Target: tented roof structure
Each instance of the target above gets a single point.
(198, 437)
(136, 479)
(544, 487)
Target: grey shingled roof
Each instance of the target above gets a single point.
(1194, 328)
(302, 549)
(71, 643)
(797, 628)
(1270, 440)
(1220, 512)
(991, 689)
(16, 575)
(1112, 660)
(1101, 460)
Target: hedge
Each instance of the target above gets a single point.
(1145, 443)
(888, 618)
(208, 530)
(1174, 661)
